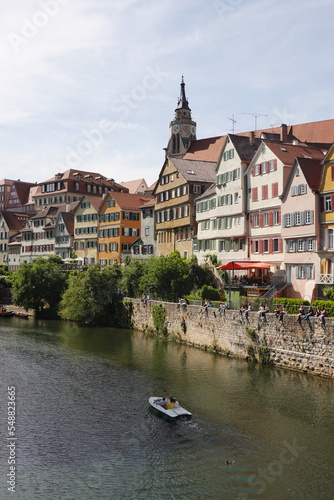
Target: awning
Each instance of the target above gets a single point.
(235, 265)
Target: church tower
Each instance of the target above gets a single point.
(182, 130)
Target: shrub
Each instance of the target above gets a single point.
(251, 333)
(264, 355)
(324, 304)
(159, 316)
(210, 293)
(292, 305)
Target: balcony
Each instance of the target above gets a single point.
(327, 279)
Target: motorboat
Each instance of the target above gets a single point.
(173, 414)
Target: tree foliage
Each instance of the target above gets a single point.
(93, 296)
(167, 277)
(39, 284)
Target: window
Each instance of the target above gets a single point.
(287, 218)
(301, 245)
(271, 165)
(308, 216)
(266, 219)
(291, 246)
(256, 220)
(330, 238)
(276, 217)
(184, 190)
(263, 167)
(236, 197)
(310, 244)
(256, 246)
(305, 272)
(147, 231)
(275, 245)
(302, 189)
(173, 193)
(328, 204)
(298, 219)
(265, 246)
(197, 189)
(256, 169)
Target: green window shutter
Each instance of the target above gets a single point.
(235, 245)
(224, 222)
(227, 245)
(224, 178)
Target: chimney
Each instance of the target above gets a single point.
(251, 137)
(284, 132)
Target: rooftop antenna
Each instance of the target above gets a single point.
(256, 115)
(233, 122)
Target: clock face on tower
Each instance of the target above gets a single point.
(176, 129)
(193, 129)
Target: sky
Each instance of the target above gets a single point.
(93, 84)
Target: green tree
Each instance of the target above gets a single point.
(132, 275)
(93, 297)
(328, 292)
(39, 284)
(167, 277)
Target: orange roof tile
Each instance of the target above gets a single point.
(129, 201)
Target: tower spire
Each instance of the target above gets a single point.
(183, 101)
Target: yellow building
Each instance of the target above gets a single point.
(326, 253)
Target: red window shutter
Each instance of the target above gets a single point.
(252, 246)
(261, 220)
(332, 201)
(332, 172)
(252, 170)
(254, 194)
(260, 246)
(322, 204)
(275, 164)
(280, 244)
(279, 217)
(271, 218)
(267, 167)
(271, 245)
(251, 220)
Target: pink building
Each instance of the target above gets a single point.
(301, 227)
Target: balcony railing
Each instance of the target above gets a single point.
(326, 278)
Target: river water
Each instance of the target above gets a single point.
(84, 429)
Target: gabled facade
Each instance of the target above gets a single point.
(5, 187)
(220, 211)
(267, 175)
(301, 228)
(326, 252)
(38, 237)
(64, 230)
(85, 229)
(145, 246)
(69, 186)
(118, 226)
(180, 183)
(18, 197)
(10, 224)
(138, 186)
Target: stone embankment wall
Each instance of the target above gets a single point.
(304, 346)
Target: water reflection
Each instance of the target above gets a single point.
(86, 431)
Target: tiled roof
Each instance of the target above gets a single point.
(312, 170)
(244, 147)
(149, 204)
(288, 152)
(209, 192)
(195, 171)
(133, 186)
(205, 149)
(129, 201)
(14, 221)
(312, 132)
(68, 218)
